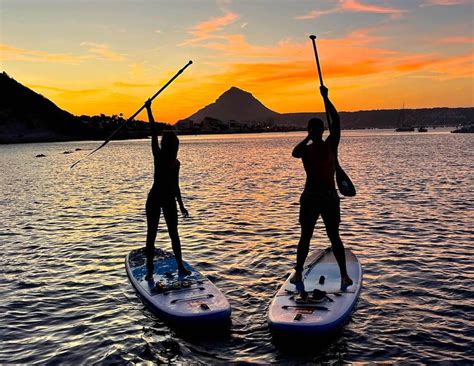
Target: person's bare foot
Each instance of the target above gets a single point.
(345, 282)
(297, 277)
(182, 271)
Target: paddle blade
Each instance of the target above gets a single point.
(344, 183)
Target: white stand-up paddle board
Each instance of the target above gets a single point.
(185, 301)
(317, 305)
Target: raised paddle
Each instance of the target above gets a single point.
(133, 116)
(344, 183)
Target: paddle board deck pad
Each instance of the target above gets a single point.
(185, 301)
(317, 305)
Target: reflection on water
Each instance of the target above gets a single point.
(65, 297)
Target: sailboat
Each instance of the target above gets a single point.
(401, 122)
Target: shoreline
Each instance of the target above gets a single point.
(206, 133)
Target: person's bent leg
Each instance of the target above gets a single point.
(152, 219)
(171, 216)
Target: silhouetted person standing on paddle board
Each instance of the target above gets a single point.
(163, 195)
(320, 196)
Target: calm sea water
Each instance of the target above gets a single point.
(65, 296)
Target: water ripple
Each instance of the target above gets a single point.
(65, 297)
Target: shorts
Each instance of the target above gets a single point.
(326, 204)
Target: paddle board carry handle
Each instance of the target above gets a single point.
(192, 298)
(134, 115)
(336, 293)
(308, 306)
(170, 291)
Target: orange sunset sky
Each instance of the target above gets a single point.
(92, 57)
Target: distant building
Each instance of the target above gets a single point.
(210, 124)
(185, 124)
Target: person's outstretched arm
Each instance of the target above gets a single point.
(180, 199)
(335, 123)
(155, 147)
(298, 151)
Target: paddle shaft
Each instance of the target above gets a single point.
(320, 74)
(134, 115)
(161, 89)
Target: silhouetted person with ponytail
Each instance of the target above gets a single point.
(320, 196)
(163, 194)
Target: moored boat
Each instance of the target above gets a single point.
(405, 129)
(464, 129)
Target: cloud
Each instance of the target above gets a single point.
(341, 59)
(359, 7)
(236, 45)
(208, 34)
(121, 84)
(454, 67)
(204, 30)
(64, 93)
(359, 53)
(354, 6)
(442, 3)
(318, 13)
(457, 40)
(95, 51)
(10, 53)
(102, 51)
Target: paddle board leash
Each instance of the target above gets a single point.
(134, 115)
(344, 183)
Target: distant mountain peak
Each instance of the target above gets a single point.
(235, 104)
(235, 90)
